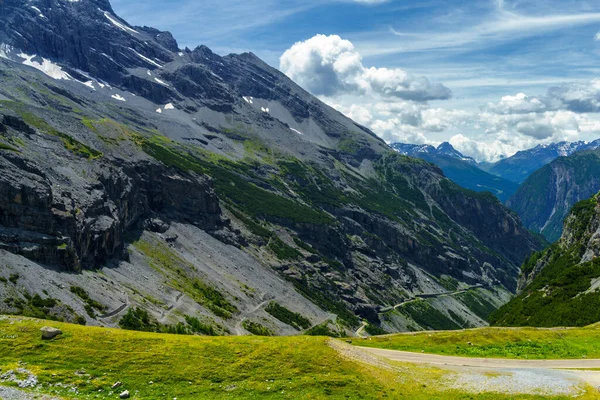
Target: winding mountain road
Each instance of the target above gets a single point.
(429, 296)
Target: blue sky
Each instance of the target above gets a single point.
(497, 59)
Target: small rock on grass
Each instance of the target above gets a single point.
(124, 395)
(49, 333)
(116, 385)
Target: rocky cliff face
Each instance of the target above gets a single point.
(558, 286)
(200, 186)
(545, 199)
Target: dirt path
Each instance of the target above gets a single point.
(482, 375)
(432, 359)
(239, 331)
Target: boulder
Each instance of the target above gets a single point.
(124, 395)
(49, 333)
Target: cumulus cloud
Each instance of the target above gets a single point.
(396, 104)
(330, 65)
(578, 97)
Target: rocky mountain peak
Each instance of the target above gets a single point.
(449, 150)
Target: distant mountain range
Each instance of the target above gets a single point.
(520, 166)
(503, 177)
(461, 169)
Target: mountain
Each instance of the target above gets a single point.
(520, 166)
(461, 169)
(417, 150)
(559, 286)
(545, 198)
(150, 187)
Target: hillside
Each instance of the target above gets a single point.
(521, 165)
(462, 170)
(559, 286)
(138, 175)
(545, 198)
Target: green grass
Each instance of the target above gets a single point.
(193, 367)
(520, 343)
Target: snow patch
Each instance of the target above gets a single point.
(263, 109)
(38, 11)
(215, 75)
(89, 84)
(169, 106)
(161, 82)
(118, 97)
(180, 54)
(297, 131)
(46, 66)
(149, 73)
(118, 24)
(158, 110)
(146, 58)
(248, 99)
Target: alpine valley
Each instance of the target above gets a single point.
(158, 188)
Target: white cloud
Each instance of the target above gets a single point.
(579, 97)
(597, 36)
(497, 27)
(330, 65)
(495, 131)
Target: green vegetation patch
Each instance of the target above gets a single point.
(257, 329)
(181, 274)
(287, 316)
(90, 304)
(477, 303)
(70, 143)
(4, 146)
(282, 250)
(33, 306)
(322, 330)
(138, 319)
(427, 316)
(232, 185)
(560, 295)
(518, 343)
